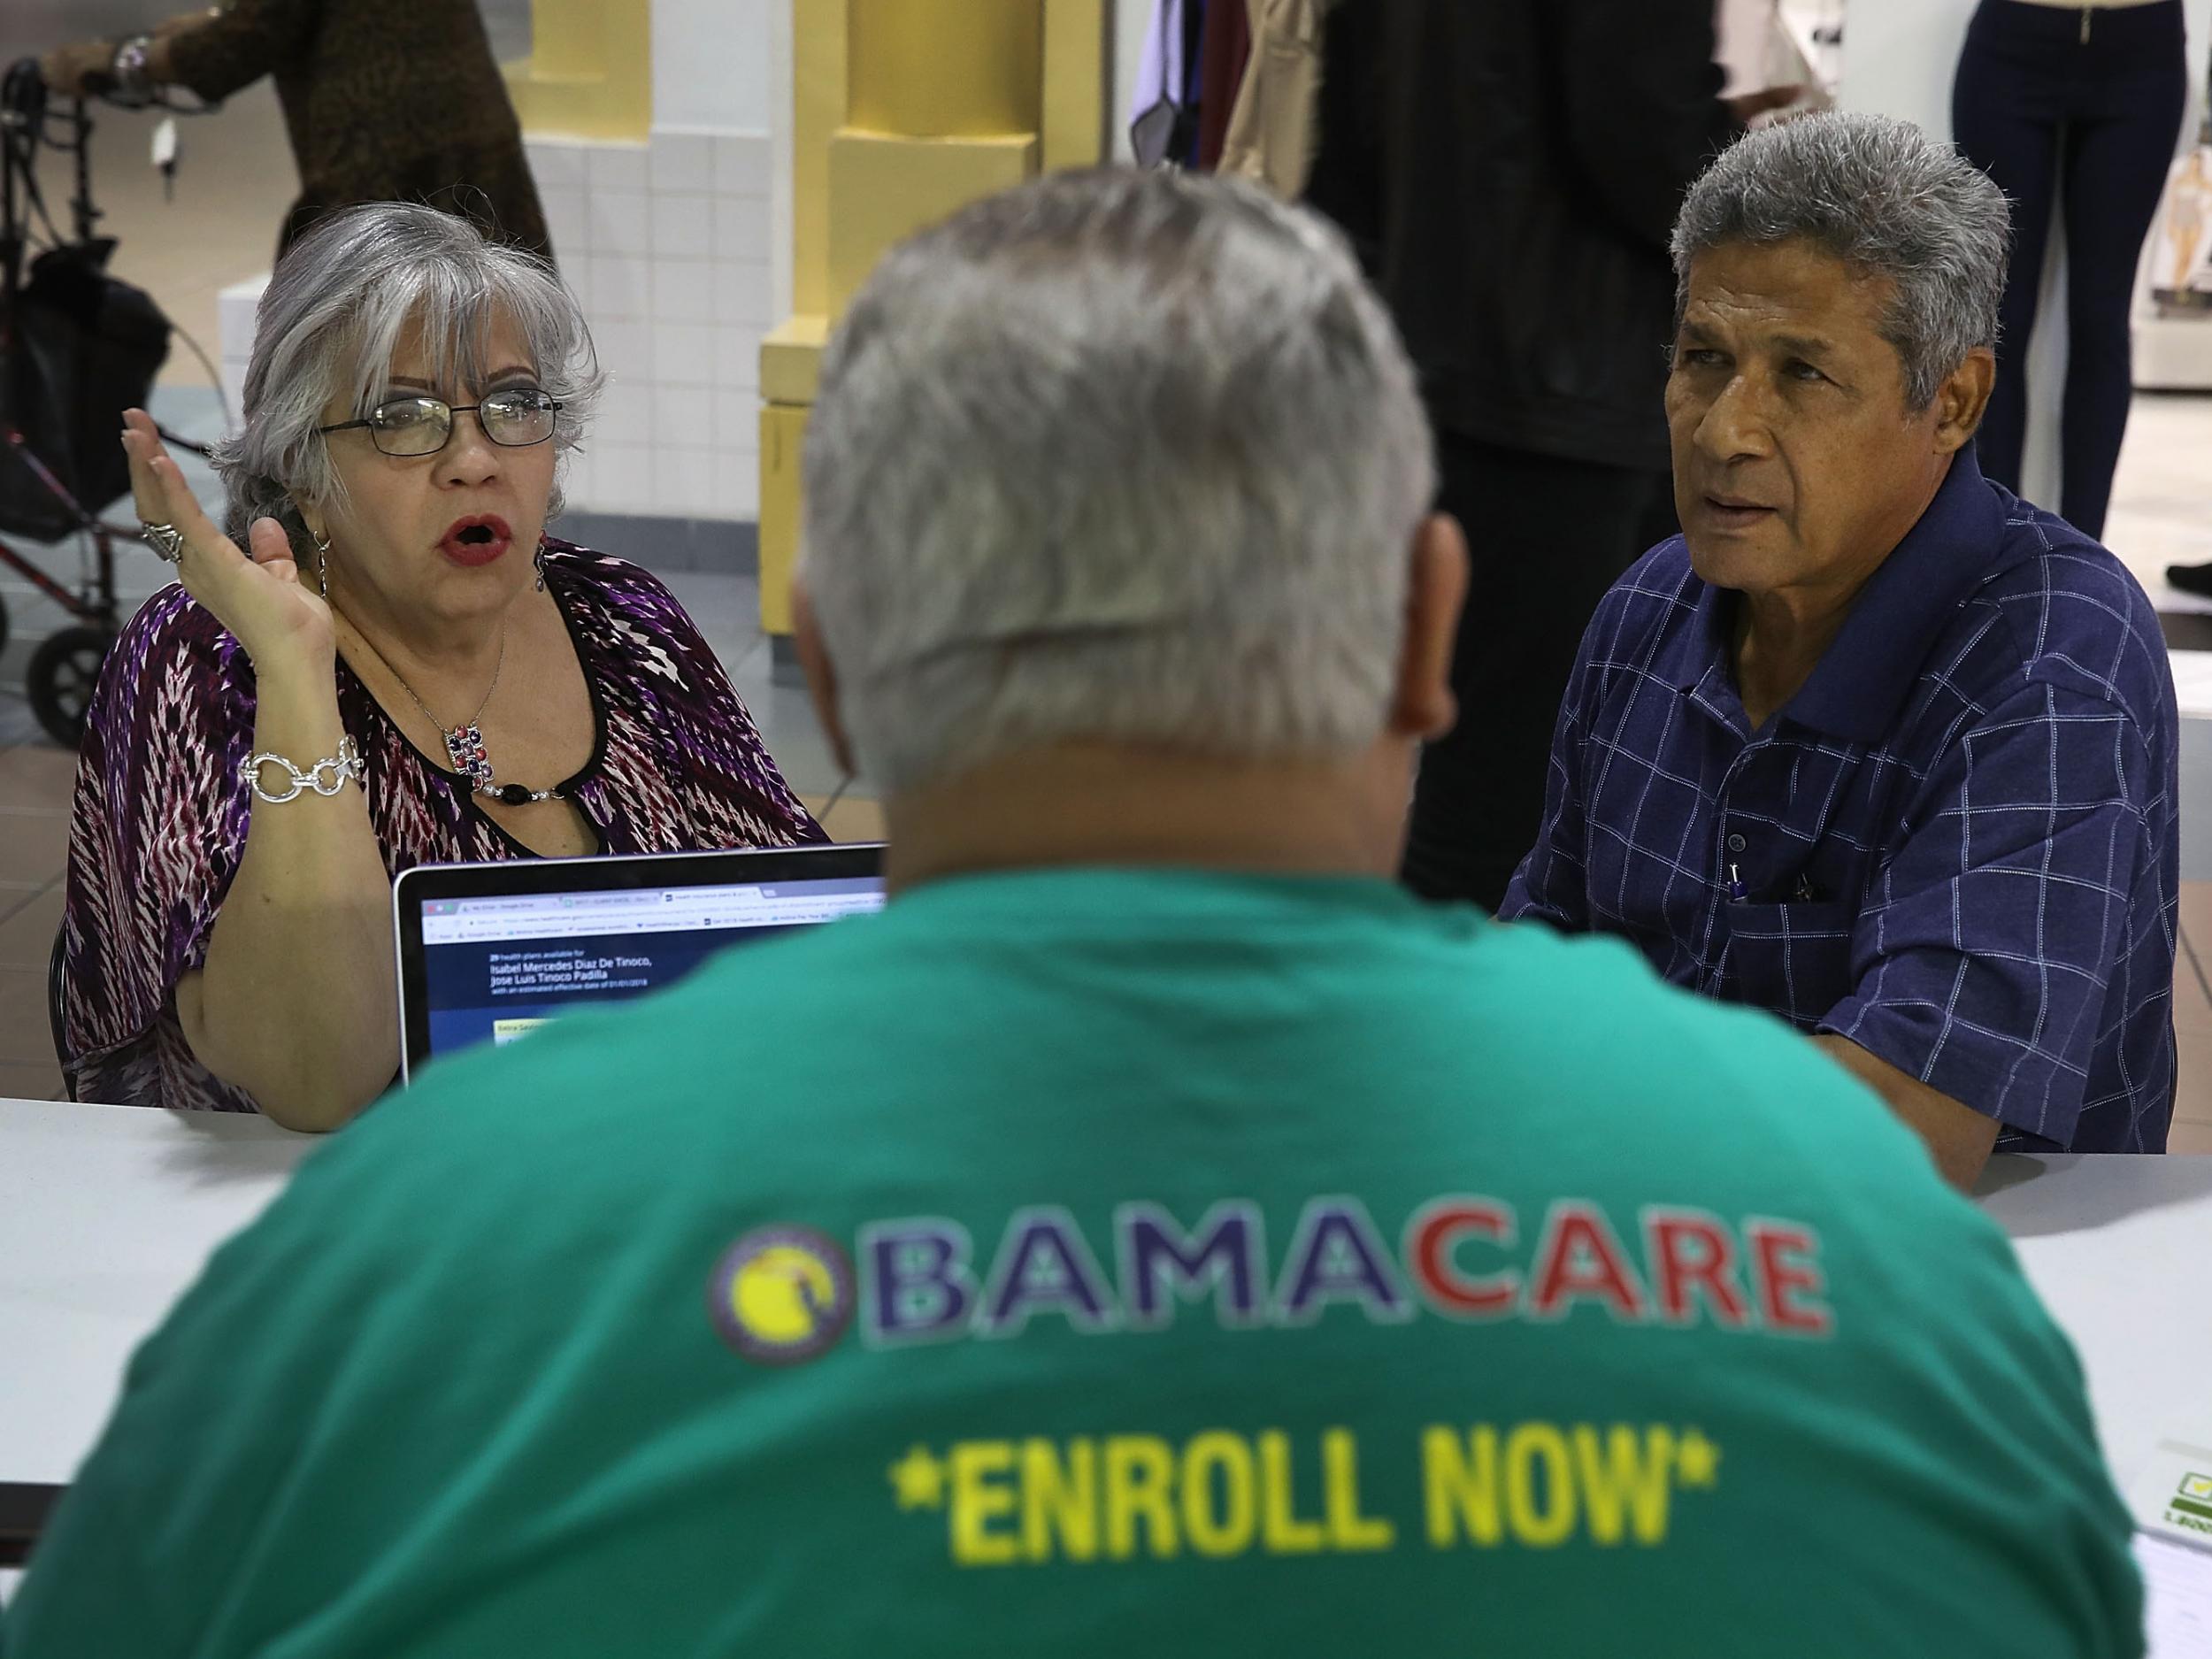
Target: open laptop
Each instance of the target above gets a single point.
(488, 952)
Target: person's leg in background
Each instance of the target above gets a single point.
(1548, 537)
(2007, 108)
(2119, 145)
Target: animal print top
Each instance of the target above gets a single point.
(161, 813)
(385, 101)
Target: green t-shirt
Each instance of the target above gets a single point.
(1112, 1263)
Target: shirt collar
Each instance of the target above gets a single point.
(1870, 668)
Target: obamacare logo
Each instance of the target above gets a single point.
(1462, 1257)
(782, 1295)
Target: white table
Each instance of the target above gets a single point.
(2120, 1250)
(107, 1213)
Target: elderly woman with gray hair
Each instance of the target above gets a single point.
(385, 662)
(1875, 744)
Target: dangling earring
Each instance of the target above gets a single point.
(322, 562)
(538, 559)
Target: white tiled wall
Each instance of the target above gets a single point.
(666, 245)
(233, 324)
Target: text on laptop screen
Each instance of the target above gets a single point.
(495, 968)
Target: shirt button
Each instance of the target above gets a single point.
(1736, 843)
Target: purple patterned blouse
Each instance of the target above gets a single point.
(160, 816)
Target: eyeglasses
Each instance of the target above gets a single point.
(424, 426)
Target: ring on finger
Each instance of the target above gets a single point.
(166, 540)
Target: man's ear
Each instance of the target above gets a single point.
(821, 674)
(1963, 398)
(1424, 708)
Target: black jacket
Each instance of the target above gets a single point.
(1509, 170)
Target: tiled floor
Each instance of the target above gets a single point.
(2162, 508)
(2192, 1024)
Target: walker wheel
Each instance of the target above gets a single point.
(63, 671)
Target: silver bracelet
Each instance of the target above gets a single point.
(347, 764)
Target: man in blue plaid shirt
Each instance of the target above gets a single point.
(1874, 744)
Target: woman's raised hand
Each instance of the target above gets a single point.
(281, 621)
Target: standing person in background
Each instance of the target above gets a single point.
(2063, 100)
(1510, 174)
(385, 101)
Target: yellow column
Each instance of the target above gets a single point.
(564, 38)
(1075, 60)
(782, 433)
(941, 107)
(590, 70)
(904, 110)
(946, 68)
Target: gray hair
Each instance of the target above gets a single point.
(1884, 198)
(1114, 457)
(338, 306)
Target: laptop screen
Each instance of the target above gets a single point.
(493, 966)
